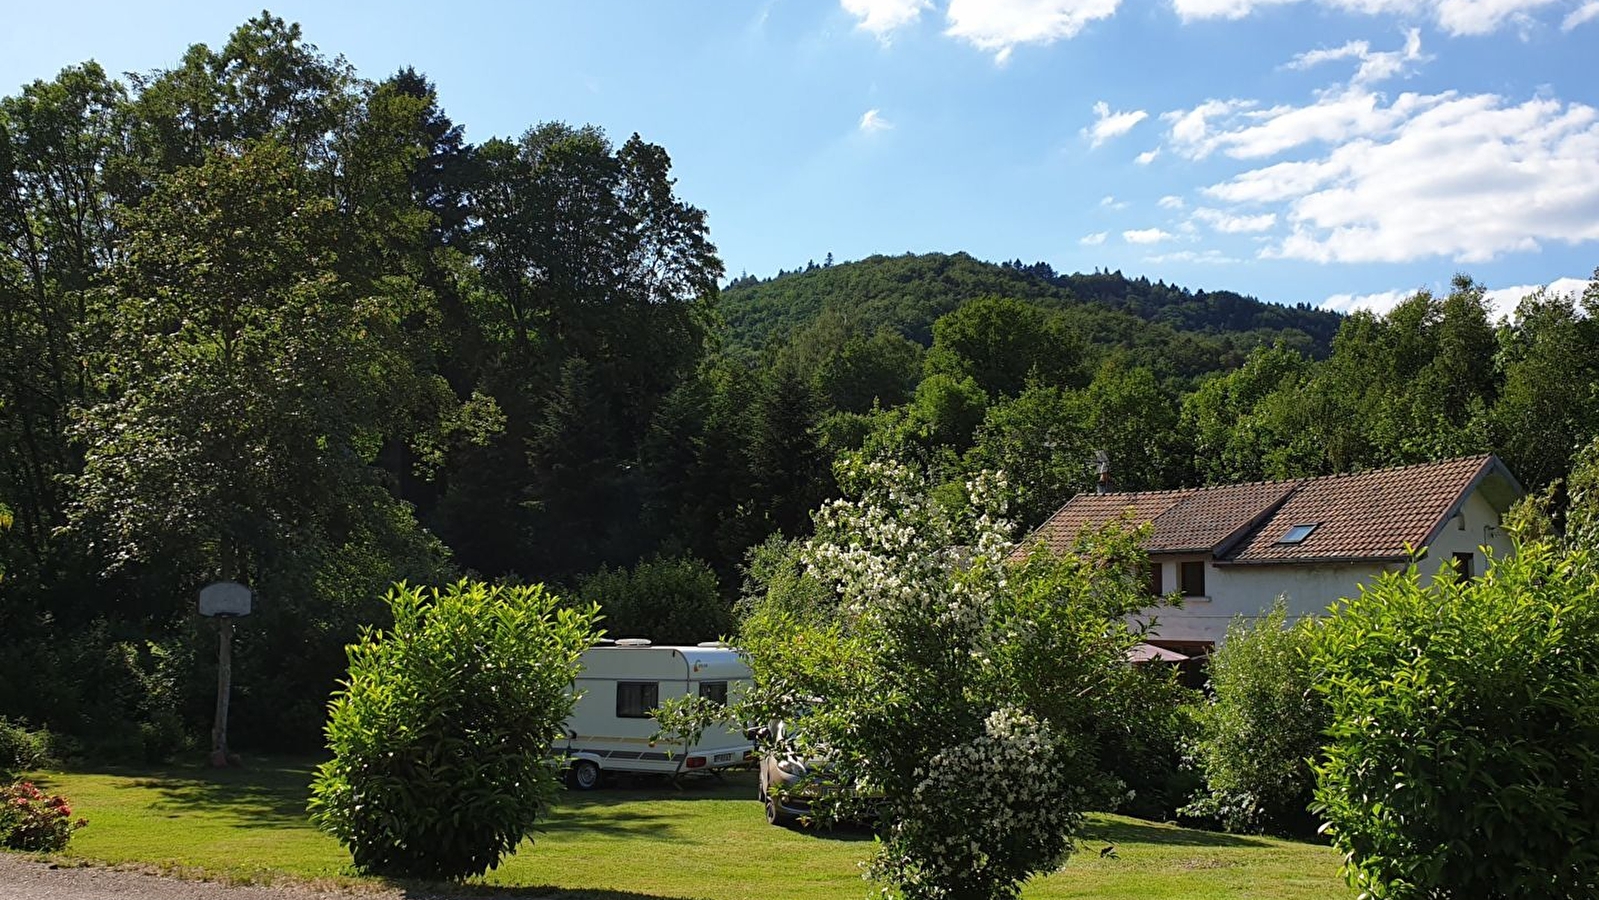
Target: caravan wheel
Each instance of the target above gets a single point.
(584, 775)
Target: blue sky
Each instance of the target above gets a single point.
(1335, 152)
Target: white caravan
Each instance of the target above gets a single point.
(619, 688)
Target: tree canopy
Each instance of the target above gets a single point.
(264, 318)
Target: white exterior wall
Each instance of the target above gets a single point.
(1309, 590)
(1478, 525)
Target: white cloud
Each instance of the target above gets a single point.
(1462, 177)
(1374, 66)
(1109, 201)
(1213, 257)
(1108, 125)
(1378, 303)
(1310, 58)
(1228, 223)
(1191, 129)
(999, 26)
(1503, 301)
(1581, 15)
(1456, 17)
(1146, 236)
(1147, 157)
(881, 17)
(1190, 10)
(1093, 240)
(1277, 183)
(1467, 178)
(1238, 128)
(1461, 17)
(1171, 201)
(872, 121)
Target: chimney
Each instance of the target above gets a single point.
(1102, 465)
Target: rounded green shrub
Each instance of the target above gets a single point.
(1464, 742)
(441, 735)
(1262, 728)
(669, 600)
(20, 748)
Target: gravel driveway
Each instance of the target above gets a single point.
(26, 878)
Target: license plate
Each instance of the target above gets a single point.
(722, 757)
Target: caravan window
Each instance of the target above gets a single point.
(637, 699)
(714, 691)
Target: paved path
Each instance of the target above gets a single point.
(24, 878)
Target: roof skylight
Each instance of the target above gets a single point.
(1297, 533)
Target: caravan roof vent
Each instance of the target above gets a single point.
(720, 645)
(632, 642)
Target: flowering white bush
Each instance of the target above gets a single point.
(946, 685)
(990, 813)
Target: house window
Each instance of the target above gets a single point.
(1298, 533)
(636, 699)
(714, 691)
(1463, 566)
(1192, 578)
(1157, 585)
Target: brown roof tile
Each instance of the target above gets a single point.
(1208, 519)
(1097, 510)
(1364, 516)
(1383, 513)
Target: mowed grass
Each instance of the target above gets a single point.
(638, 841)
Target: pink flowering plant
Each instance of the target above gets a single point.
(30, 820)
(928, 671)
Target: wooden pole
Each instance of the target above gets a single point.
(219, 730)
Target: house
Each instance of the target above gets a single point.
(1232, 550)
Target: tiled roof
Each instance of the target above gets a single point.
(1096, 510)
(1365, 516)
(1369, 515)
(1209, 518)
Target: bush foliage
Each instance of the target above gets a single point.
(669, 600)
(1142, 729)
(681, 722)
(1262, 729)
(441, 736)
(954, 687)
(32, 821)
(20, 749)
(1465, 732)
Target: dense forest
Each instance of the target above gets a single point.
(263, 319)
(1165, 327)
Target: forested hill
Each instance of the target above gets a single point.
(1194, 331)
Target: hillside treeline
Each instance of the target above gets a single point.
(263, 319)
(1165, 327)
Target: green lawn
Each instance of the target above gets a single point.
(643, 842)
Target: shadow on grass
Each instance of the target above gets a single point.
(844, 833)
(1150, 833)
(500, 892)
(633, 788)
(272, 792)
(597, 821)
(634, 805)
(266, 793)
